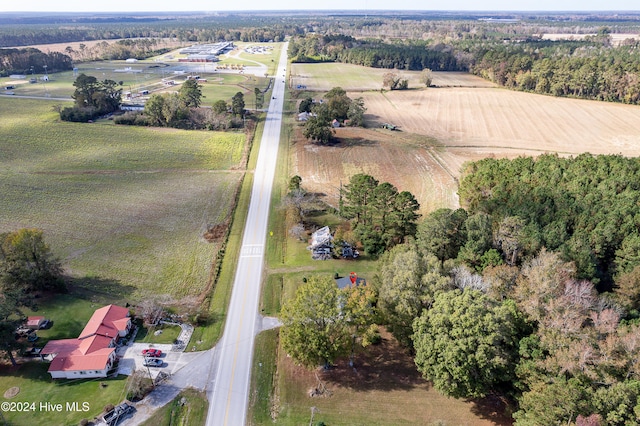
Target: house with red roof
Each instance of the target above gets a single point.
(93, 352)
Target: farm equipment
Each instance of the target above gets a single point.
(389, 126)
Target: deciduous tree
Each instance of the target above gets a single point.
(26, 262)
(408, 283)
(466, 344)
(314, 327)
(317, 130)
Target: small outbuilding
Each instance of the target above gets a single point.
(35, 323)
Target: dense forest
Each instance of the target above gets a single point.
(408, 56)
(584, 207)
(30, 60)
(183, 28)
(502, 297)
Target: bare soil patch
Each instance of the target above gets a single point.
(502, 121)
(11, 392)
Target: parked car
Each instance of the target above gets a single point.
(32, 352)
(152, 362)
(44, 324)
(23, 331)
(153, 353)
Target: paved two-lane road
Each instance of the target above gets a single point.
(231, 390)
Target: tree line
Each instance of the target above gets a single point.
(184, 110)
(408, 55)
(188, 29)
(28, 61)
(588, 70)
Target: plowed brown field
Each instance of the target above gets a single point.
(441, 128)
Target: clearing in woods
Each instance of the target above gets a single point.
(442, 128)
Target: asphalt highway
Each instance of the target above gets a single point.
(230, 395)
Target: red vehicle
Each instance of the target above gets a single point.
(153, 353)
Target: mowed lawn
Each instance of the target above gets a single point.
(36, 387)
(125, 208)
(69, 315)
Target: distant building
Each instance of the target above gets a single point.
(208, 49)
(198, 57)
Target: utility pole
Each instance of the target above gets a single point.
(313, 411)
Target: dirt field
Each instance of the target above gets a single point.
(442, 128)
(410, 163)
(504, 121)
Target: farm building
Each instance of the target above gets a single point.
(321, 244)
(93, 353)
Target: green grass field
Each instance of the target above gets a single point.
(168, 334)
(325, 76)
(125, 208)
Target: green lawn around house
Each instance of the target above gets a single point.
(36, 389)
(189, 408)
(160, 334)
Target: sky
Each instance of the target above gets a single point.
(220, 5)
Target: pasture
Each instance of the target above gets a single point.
(125, 208)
